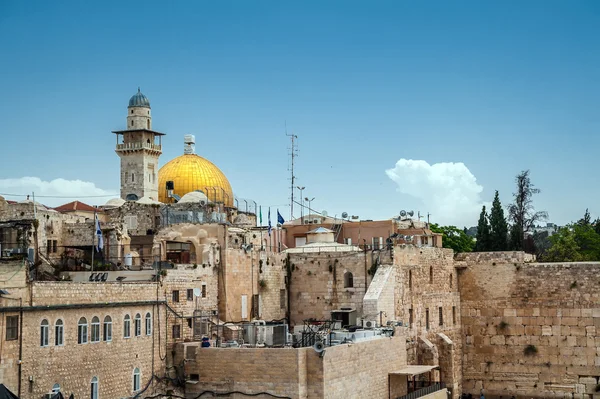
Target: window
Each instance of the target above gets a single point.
(176, 331)
(256, 306)
(190, 294)
(12, 327)
(203, 290)
(410, 317)
(148, 123)
(348, 241)
(48, 247)
(82, 331)
(430, 274)
(44, 332)
(148, 324)
(427, 319)
(127, 326)
(138, 325)
(95, 336)
(54, 246)
(59, 333)
(451, 280)
(131, 123)
(348, 280)
(189, 322)
(410, 279)
(453, 314)
(441, 312)
(132, 177)
(94, 388)
(282, 299)
(175, 296)
(136, 380)
(107, 327)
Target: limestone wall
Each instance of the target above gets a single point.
(317, 283)
(530, 329)
(344, 371)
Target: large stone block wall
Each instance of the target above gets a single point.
(530, 329)
(317, 283)
(426, 280)
(351, 371)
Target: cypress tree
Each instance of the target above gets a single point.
(483, 233)
(498, 227)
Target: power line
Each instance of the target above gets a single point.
(58, 196)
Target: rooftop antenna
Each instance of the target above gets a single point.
(293, 153)
(428, 214)
(419, 215)
(411, 213)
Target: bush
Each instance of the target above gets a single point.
(530, 350)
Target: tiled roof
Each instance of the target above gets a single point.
(76, 206)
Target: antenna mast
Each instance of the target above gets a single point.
(293, 153)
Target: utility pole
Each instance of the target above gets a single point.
(293, 153)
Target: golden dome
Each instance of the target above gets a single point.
(190, 172)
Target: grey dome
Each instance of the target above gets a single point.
(139, 100)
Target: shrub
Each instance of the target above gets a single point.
(530, 350)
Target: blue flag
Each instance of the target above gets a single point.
(100, 243)
(270, 227)
(280, 218)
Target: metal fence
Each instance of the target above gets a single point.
(434, 387)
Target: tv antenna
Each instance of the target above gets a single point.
(293, 153)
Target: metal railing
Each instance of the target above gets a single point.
(434, 387)
(139, 146)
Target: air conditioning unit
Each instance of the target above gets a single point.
(370, 323)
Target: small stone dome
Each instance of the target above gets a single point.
(114, 203)
(139, 100)
(194, 197)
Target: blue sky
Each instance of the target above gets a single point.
(498, 86)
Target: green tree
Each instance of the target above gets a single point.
(521, 213)
(542, 243)
(586, 220)
(564, 247)
(588, 241)
(597, 225)
(483, 232)
(498, 227)
(455, 238)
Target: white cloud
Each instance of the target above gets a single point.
(69, 189)
(447, 190)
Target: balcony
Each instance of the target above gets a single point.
(124, 147)
(426, 390)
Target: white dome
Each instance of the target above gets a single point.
(193, 197)
(114, 203)
(147, 201)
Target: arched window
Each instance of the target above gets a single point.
(94, 388)
(148, 141)
(348, 280)
(127, 326)
(138, 325)
(59, 333)
(148, 324)
(136, 379)
(56, 388)
(82, 331)
(95, 329)
(148, 123)
(107, 327)
(44, 332)
(131, 123)
(132, 177)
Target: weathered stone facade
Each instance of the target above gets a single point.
(530, 328)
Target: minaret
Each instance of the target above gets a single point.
(139, 148)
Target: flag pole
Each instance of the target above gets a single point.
(93, 238)
(261, 225)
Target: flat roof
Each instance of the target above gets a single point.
(414, 370)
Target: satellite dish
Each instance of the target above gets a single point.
(411, 213)
(344, 215)
(324, 213)
(319, 347)
(197, 292)
(402, 213)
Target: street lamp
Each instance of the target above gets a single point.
(301, 204)
(309, 201)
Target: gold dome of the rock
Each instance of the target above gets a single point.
(190, 172)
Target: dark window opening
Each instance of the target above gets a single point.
(282, 299)
(410, 317)
(348, 280)
(430, 274)
(190, 294)
(189, 322)
(410, 279)
(194, 377)
(204, 291)
(427, 319)
(175, 296)
(453, 314)
(451, 277)
(176, 331)
(441, 311)
(12, 327)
